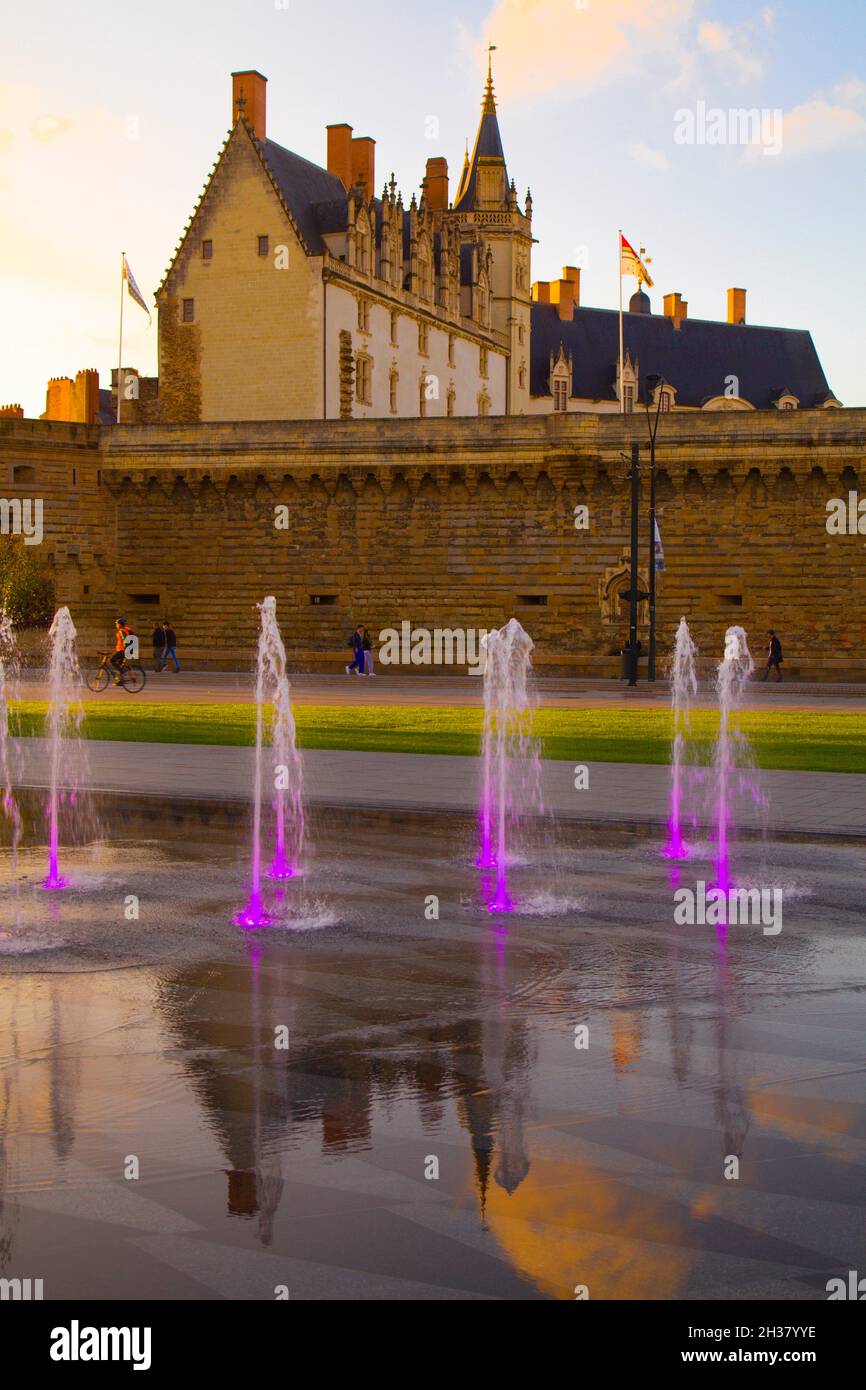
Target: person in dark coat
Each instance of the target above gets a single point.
(774, 656)
(357, 663)
(169, 648)
(158, 645)
(368, 654)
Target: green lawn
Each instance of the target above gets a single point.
(798, 739)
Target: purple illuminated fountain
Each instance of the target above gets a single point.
(8, 679)
(63, 730)
(734, 671)
(282, 765)
(510, 776)
(684, 687)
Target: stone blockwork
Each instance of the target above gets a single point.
(458, 524)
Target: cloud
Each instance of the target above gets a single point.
(732, 47)
(818, 126)
(544, 46)
(649, 158)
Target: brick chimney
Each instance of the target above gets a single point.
(571, 272)
(565, 293)
(676, 308)
(363, 168)
(436, 183)
(736, 306)
(249, 97)
(541, 292)
(340, 153)
(12, 412)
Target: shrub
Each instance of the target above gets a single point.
(26, 584)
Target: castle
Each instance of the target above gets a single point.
(296, 293)
(307, 331)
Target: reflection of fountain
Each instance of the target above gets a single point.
(509, 753)
(684, 686)
(8, 676)
(734, 670)
(272, 686)
(63, 725)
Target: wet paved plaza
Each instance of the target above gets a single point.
(371, 1102)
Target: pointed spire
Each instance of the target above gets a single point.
(488, 105)
(487, 150)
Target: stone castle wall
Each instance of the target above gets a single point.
(455, 524)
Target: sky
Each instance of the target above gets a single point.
(111, 117)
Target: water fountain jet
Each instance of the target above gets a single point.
(510, 776)
(273, 688)
(63, 728)
(684, 687)
(734, 670)
(8, 679)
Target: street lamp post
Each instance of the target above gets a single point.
(652, 382)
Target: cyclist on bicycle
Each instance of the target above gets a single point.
(122, 630)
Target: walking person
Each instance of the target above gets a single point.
(774, 656)
(357, 642)
(368, 654)
(158, 645)
(169, 649)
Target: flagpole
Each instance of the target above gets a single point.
(120, 337)
(619, 269)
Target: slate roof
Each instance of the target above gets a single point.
(306, 187)
(488, 145)
(695, 359)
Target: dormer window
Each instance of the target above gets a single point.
(560, 395)
(629, 400)
(665, 401)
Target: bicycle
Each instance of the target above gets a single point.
(132, 675)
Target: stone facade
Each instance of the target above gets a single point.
(452, 524)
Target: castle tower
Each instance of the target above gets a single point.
(486, 208)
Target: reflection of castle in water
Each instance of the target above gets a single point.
(261, 1101)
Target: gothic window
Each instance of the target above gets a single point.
(394, 320)
(665, 401)
(363, 379)
(629, 400)
(423, 339)
(363, 315)
(560, 394)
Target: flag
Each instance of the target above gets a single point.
(660, 554)
(134, 292)
(630, 262)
